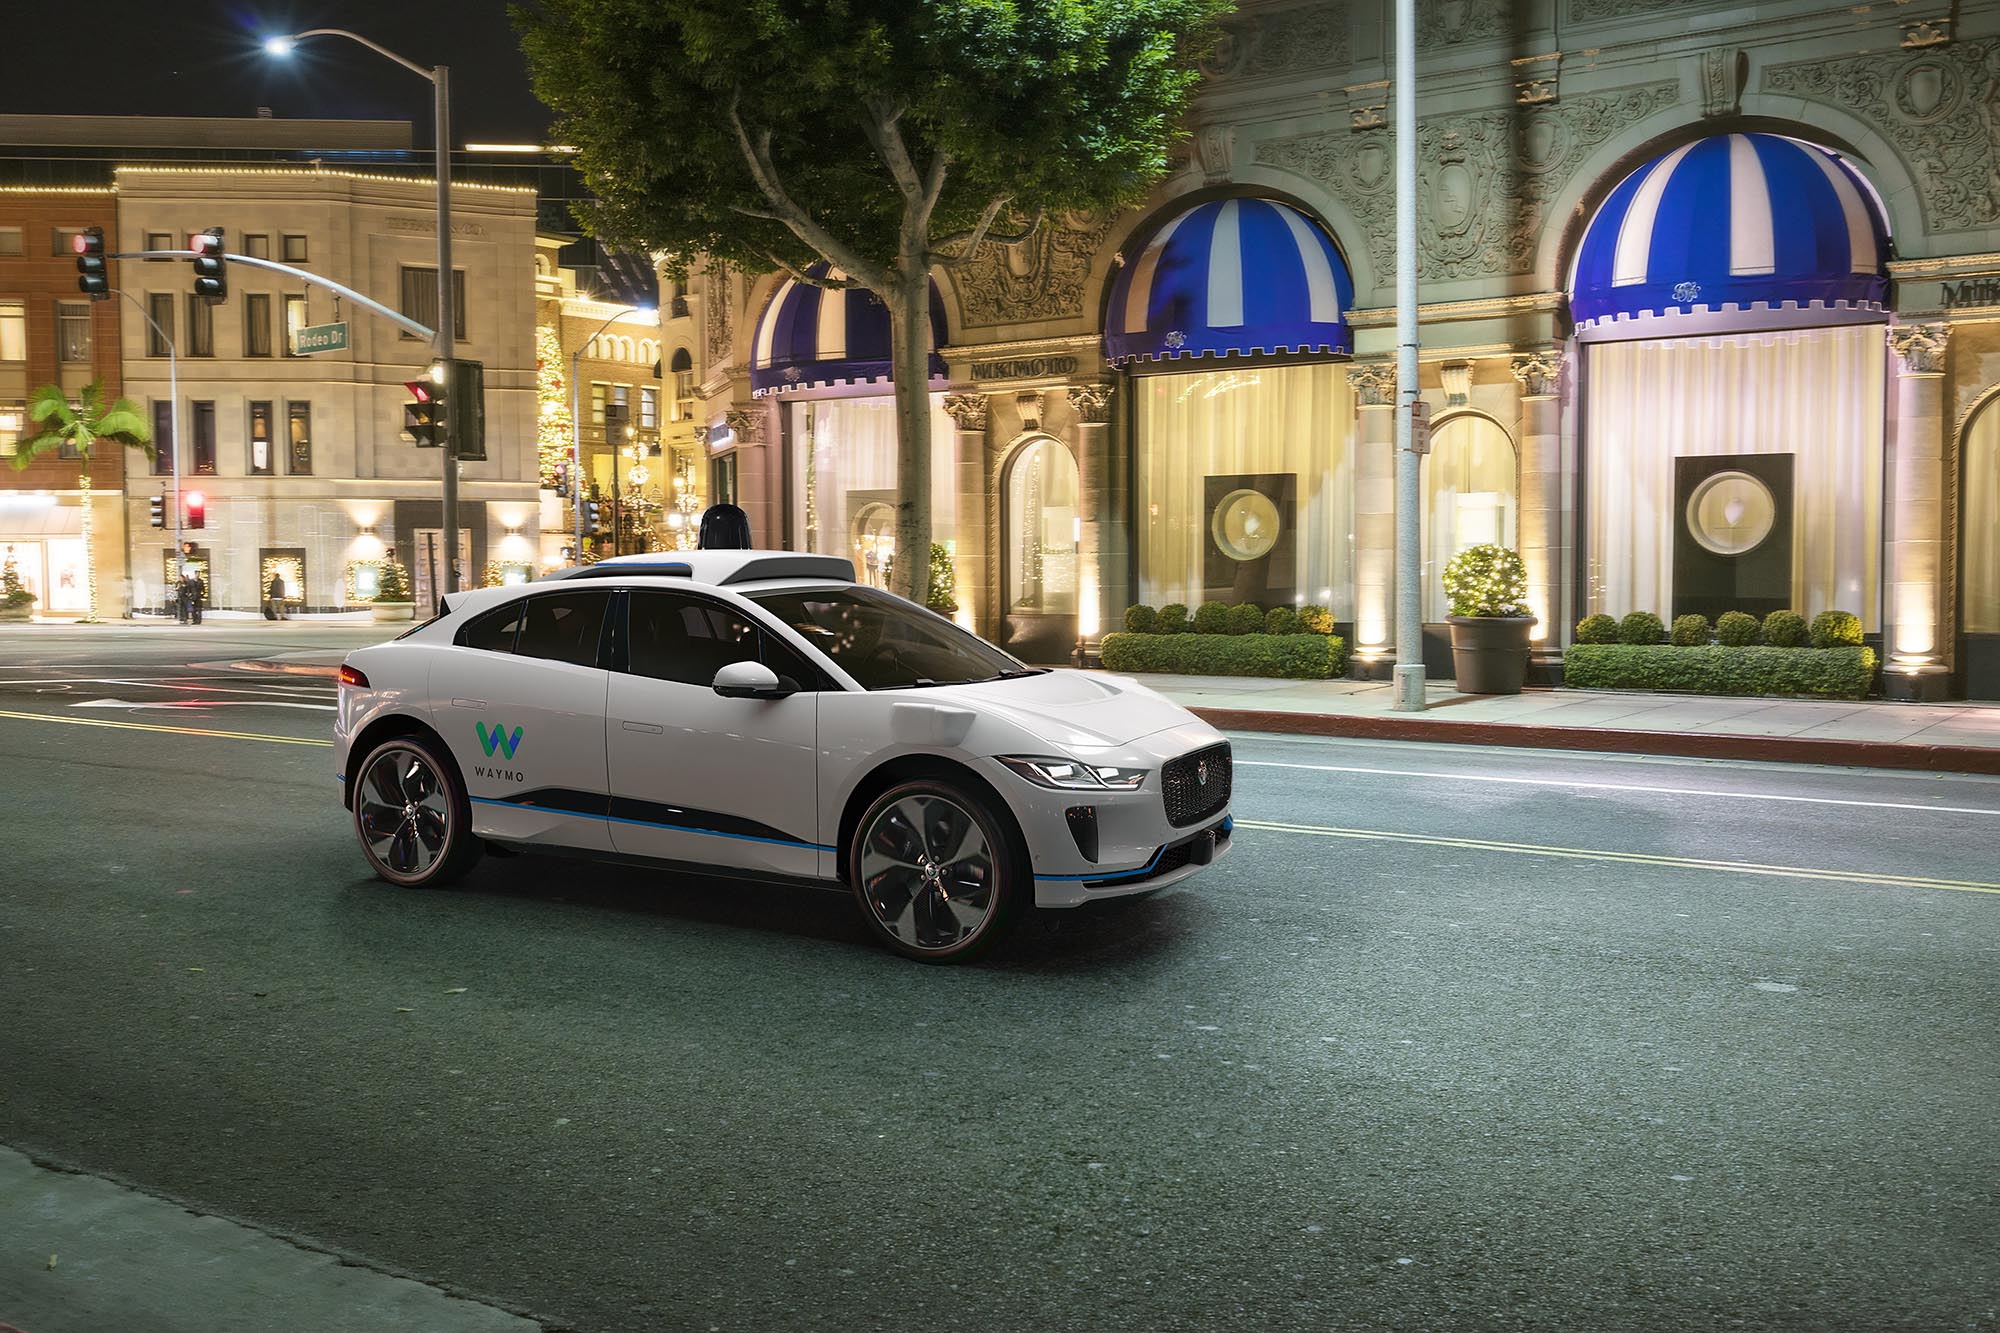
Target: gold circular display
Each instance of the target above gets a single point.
(1245, 525)
(1731, 513)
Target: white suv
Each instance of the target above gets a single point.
(760, 714)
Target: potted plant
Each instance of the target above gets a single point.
(392, 593)
(16, 602)
(1488, 587)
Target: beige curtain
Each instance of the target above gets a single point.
(1979, 534)
(1273, 419)
(1815, 394)
(844, 481)
(1469, 483)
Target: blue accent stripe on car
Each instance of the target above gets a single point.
(1110, 876)
(649, 814)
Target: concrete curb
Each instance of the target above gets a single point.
(1683, 744)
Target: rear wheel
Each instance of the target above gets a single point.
(934, 871)
(412, 816)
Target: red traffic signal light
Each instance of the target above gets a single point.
(423, 414)
(92, 278)
(209, 279)
(197, 510)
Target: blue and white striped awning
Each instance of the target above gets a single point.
(1732, 231)
(1232, 277)
(816, 337)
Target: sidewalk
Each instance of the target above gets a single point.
(1952, 737)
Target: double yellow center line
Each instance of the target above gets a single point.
(1626, 858)
(263, 736)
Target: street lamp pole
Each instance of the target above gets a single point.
(447, 333)
(1409, 689)
(173, 417)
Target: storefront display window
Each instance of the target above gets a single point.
(1980, 531)
(1244, 487)
(1469, 498)
(844, 480)
(1041, 532)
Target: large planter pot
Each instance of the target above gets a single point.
(17, 614)
(393, 610)
(1490, 653)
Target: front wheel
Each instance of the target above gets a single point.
(412, 815)
(934, 872)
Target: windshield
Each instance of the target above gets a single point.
(887, 643)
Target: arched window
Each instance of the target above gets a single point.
(1469, 497)
(1041, 539)
(1979, 555)
(682, 369)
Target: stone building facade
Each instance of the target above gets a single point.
(1789, 399)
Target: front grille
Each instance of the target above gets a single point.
(1196, 785)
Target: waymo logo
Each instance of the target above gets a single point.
(498, 739)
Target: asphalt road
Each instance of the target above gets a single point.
(1456, 1039)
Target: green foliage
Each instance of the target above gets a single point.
(1246, 618)
(1173, 619)
(1690, 631)
(1281, 620)
(395, 584)
(1290, 656)
(1597, 629)
(1641, 627)
(1211, 618)
(943, 584)
(80, 425)
(1736, 629)
(1316, 619)
(1785, 629)
(13, 593)
(1836, 629)
(1487, 580)
(1141, 619)
(1833, 673)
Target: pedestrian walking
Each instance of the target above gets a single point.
(274, 601)
(191, 596)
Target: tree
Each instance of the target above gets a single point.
(79, 426)
(887, 137)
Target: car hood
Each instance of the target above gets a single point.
(1069, 708)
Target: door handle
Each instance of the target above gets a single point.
(647, 727)
(468, 703)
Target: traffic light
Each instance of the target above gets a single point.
(197, 510)
(423, 415)
(209, 279)
(593, 515)
(465, 386)
(562, 479)
(158, 505)
(92, 278)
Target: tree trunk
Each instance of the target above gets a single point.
(89, 556)
(908, 300)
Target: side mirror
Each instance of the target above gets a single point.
(750, 680)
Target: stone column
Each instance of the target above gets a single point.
(1914, 505)
(1104, 551)
(1374, 519)
(1540, 536)
(758, 481)
(975, 591)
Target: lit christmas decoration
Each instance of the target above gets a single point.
(552, 427)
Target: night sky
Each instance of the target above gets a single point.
(203, 58)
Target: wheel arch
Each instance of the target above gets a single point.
(915, 768)
(389, 727)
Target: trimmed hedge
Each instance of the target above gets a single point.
(1282, 620)
(1836, 629)
(1831, 673)
(1690, 631)
(1642, 627)
(1246, 618)
(1211, 618)
(1292, 656)
(1316, 619)
(1785, 629)
(1597, 629)
(1142, 619)
(1173, 619)
(1736, 629)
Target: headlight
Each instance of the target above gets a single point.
(1073, 775)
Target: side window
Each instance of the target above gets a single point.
(688, 639)
(493, 632)
(563, 627)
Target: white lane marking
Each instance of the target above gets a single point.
(202, 703)
(1620, 786)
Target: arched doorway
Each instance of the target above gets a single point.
(1470, 497)
(1038, 551)
(1979, 552)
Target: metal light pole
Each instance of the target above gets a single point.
(576, 426)
(447, 332)
(174, 416)
(1409, 691)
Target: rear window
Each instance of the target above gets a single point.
(493, 632)
(563, 627)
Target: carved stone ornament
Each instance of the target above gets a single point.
(701, 436)
(1723, 74)
(1535, 79)
(1374, 385)
(1041, 278)
(1368, 105)
(1456, 377)
(1926, 32)
(746, 426)
(1278, 42)
(1217, 144)
(968, 411)
(1028, 403)
(718, 302)
(1487, 177)
(1449, 22)
(1939, 106)
(1091, 402)
(1583, 11)
(1538, 372)
(1920, 347)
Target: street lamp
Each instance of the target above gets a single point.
(282, 45)
(576, 426)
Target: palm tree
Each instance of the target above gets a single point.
(79, 426)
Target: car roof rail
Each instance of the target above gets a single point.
(607, 570)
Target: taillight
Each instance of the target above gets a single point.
(350, 677)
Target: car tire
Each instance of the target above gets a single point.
(935, 872)
(411, 814)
